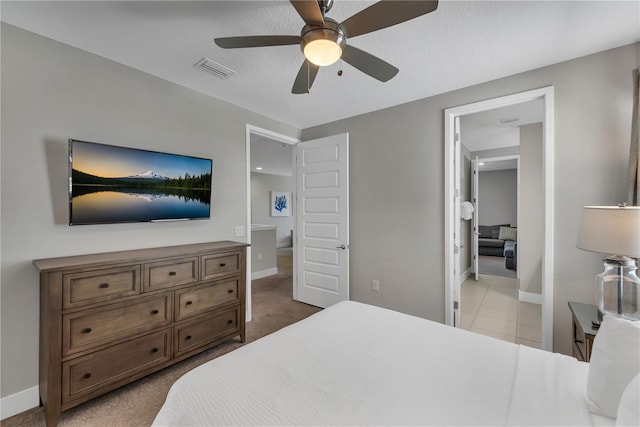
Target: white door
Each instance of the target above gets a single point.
(322, 225)
(476, 230)
(457, 171)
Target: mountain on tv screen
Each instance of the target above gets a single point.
(111, 184)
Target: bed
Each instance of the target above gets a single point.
(356, 364)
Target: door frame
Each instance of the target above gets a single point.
(251, 129)
(547, 95)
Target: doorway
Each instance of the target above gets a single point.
(453, 200)
(319, 202)
(496, 200)
(254, 134)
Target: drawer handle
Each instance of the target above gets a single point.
(87, 375)
(104, 285)
(230, 291)
(223, 264)
(86, 330)
(172, 273)
(188, 337)
(230, 321)
(154, 312)
(189, 302)
(154, 350)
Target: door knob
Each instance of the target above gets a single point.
(341, 247)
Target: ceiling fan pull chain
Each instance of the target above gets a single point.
(308, 77)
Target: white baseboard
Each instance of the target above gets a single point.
(530, 297)
(465, 275)
(264, 273)
(19, 402)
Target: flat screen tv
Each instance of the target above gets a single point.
(110, 184)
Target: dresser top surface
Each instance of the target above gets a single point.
(134, 255)
(584, 314)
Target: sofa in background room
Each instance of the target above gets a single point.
(499, 240)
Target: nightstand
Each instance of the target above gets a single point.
(583, 331)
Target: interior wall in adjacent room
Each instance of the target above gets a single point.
(530, 240)
(261, 186)
(498, 197)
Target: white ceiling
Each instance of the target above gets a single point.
(500, 127)
(271, 156)
(462, 43)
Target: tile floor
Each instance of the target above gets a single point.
(490, 307)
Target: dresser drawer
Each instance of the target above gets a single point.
(87, 329)
(87, 373)
(219, 265)
(198, 299)
(204, 330)
(95, 286)
(165, 274)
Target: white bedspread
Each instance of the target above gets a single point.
(355, 364)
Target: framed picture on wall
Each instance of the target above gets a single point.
(280, 203)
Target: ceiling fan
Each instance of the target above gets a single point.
(323, 40)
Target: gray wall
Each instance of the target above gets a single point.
(530, 235)
(397, 182)
(51, 92)
(261, 186)
(264, 255)
(498, 197)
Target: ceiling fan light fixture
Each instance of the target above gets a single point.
(322, 52)
(323, 46)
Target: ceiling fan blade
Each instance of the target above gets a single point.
(309, 11)
(305, 78)
(369, 64)
(386, 13)
(256, 41)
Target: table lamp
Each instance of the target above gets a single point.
(614, 230)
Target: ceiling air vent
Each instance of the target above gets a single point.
(211, 67)
(507, 120)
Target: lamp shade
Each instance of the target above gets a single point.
(610, 230)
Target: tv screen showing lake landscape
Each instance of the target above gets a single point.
(111, 184)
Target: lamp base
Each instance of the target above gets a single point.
(617, 288)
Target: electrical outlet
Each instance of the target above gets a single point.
(259, 257)
(375, 285)
(239, 231)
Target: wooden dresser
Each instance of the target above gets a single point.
(112, 318)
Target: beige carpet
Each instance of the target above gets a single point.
(138, 403)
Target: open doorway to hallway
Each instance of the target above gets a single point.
(501, 150)
(272, 154)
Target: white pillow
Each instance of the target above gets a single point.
(615, 360)
(629, 408)
(508, 233)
